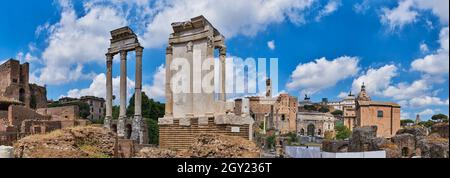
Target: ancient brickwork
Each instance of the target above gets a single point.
(61, 113)
(175, 136)
(38, 96)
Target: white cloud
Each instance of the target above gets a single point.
(26, 57)
(232, 19)
(408, 11)
(427, 101)
(362, 7)
(75, 41)
(424, 48)
(376, 80)
(438, 7)
(427, 112)
(98, 88)
(331, 7)
(397, 17)
(157, 89)
(271, 45)
(322, 73)
(438, 62)
(404, 91)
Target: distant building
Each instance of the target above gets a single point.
(277, 113)
(314, 123)
(384, 115)
(96, 106)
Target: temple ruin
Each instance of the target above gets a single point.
(123, 41)
(190, 113)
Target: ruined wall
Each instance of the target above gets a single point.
(387, 125)
(14, 81)
(30, 127)
(38, 96)
(175, 136)
(17, 114)
(61, 113)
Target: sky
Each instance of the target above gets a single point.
(325, 48)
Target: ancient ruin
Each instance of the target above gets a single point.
(123, 41)
(191, 113)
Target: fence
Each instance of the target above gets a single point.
(314, 152)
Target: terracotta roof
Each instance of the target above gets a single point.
(377, 103)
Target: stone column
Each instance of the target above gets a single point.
(108, 118)
(137, 126)
(169, 94)
(123, 94)
(190, 94)
(223, 55)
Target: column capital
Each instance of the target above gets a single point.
(189, 46)
(223, 50)
(169, 50)
(139, 50)
(123, 55)
(109, 57)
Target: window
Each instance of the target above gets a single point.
(380, 114)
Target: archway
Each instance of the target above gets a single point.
(319, 133)
(302, 131)
(311, 130)
(22, 95)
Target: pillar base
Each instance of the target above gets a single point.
(107, 122)
(138, 130)
(121, 126)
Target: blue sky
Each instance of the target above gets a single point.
(326, 48)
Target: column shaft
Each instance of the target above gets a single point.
(169, 94)
(138, 90)
(123, 95)
(223, 53)
(108, 118)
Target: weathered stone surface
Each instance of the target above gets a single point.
(6, 152)
(361, 137)
(76, 142)
(221, 146)
(433, 147)
(334, 146)
(441, 129)
(406, 143)
(151, 152)
(416, 131)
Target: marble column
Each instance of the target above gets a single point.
(222, 57)
(169, 93)
(109, 90)
(137, 126)
(190, 95)
(123, 95)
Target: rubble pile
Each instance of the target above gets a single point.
(76, 142)
(221, 146)
(152, 152)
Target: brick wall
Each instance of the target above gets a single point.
(61, 113)
(17, 114)
(175, 136)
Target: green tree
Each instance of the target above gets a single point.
(324, 110)
(270, 141)
(342, 132)
(427, 123)
(151, 111)
(406, 122)
(337, 113)
(440, 118)
(115, 112)
(310, 108)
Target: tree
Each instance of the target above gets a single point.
(427, 124)
(406, 122)
(324, 110)
(310, 108)
(115, 112)
(342, 132)
(151, 111)
(440, 118)
(337, 113)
